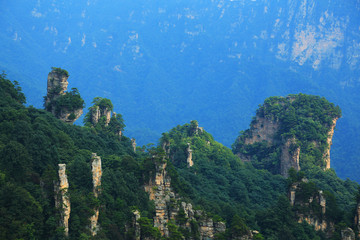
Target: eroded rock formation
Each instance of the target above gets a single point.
(96, 178)
(168, 206)
(329, 142)
(133, 143)
(317, 220)
(57, 83)
(136, 224)
(266, 130)
(290, 154)
(97, 113)
(62, 201)
(189, 160)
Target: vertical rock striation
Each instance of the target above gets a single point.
(96, 178)
(62, 200)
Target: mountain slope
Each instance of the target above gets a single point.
(209, 59)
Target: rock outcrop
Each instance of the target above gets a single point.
(265, 130)
(329, 142)
(168, 207)
(62, 201)
(189, 160)
(136, 224)
(96, 178)
(133, 144)
(317, 220)
(97, 113)
(288, 131)
(57, 83)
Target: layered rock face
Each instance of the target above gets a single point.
(96, 178)
(62, 201)
(168, 206)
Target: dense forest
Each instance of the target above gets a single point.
(252, 201)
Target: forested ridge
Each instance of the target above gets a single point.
(33, 142)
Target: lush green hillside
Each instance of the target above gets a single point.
(33, 142)
(225, 186)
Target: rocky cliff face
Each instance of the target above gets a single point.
(168, 206)
(266, 130)
(62, 201)
(289, 157)
(96, 178)
(357, 219)
(263, 130)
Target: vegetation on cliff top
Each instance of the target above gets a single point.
(306, 118)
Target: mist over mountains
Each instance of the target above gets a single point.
(163, 63)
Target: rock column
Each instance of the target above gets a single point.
(329, 142)
(189, 157)
(96, 173)
(64, 202)
(133, 143)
